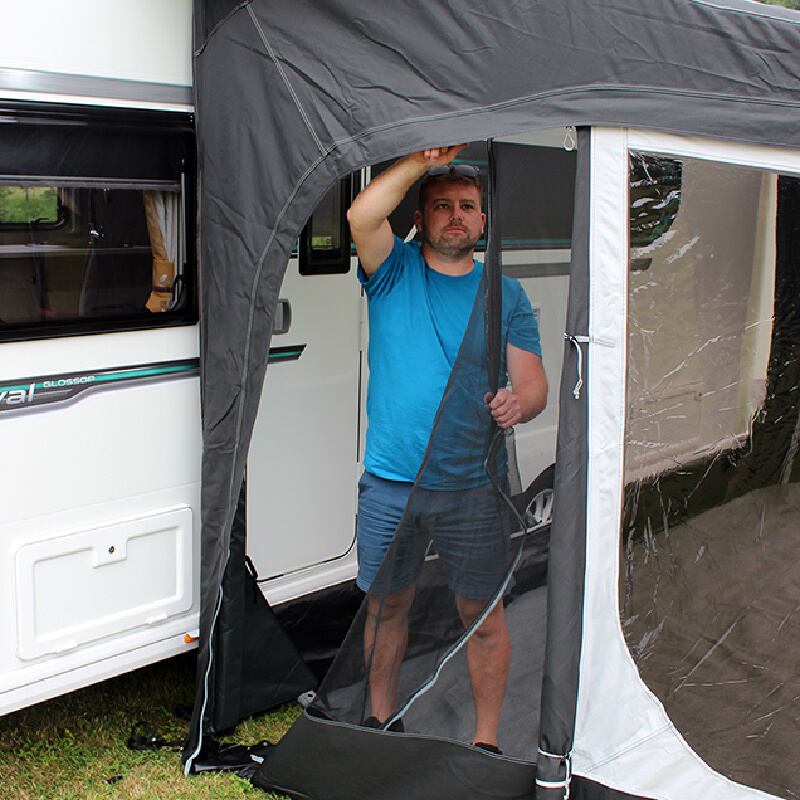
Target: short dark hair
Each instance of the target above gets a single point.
(454, 173)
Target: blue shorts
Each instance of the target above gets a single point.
(469, 530)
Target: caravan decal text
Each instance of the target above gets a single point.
(44, 390)
(25, 394)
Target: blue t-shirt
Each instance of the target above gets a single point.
(417, 320)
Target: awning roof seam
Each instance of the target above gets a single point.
(763, 13)
(285, 78)
(387, 126)
(198, 51)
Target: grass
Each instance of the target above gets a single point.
(21, 204)
(74, 747)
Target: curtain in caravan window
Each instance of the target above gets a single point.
(161, 210)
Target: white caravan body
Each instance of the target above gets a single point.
(100, 502)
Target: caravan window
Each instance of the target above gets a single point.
(95, 226)
(117, 253)
(325, 241)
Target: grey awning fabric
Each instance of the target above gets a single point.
(290, 96)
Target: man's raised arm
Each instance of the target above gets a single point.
(368, 216)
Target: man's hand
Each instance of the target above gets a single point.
(369, 226)
(436, 156)
(529, 390)
(504, 407)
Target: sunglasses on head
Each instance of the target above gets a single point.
(466, 170)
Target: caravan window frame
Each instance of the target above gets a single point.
(182, 305)
(335, 260)
(159, 154)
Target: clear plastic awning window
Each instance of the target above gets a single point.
(710, 585)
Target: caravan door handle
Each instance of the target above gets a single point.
(283, 317)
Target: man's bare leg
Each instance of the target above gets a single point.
(488, 660)
(385, 640)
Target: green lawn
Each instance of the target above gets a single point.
(73, 747)
(21, 204)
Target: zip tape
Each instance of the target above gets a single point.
(563, 784)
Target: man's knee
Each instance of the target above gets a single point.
(392, 605)
(493, 626)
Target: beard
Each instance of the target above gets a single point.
(452, 247)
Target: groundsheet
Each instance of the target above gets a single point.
(711, 613)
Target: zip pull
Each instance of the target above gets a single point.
(576, 340)
(570, 138)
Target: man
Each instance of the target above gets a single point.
(420, 299)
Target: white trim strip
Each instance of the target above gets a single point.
(102, 102)
(776, 13)
(779, 159)
(27, 84)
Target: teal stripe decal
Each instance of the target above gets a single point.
(25, 394)
(29, 393)
(61, 381)
(147, 373)
(290, 353)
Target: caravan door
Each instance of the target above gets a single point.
(303, 463)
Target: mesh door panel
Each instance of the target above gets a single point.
(458, 545)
